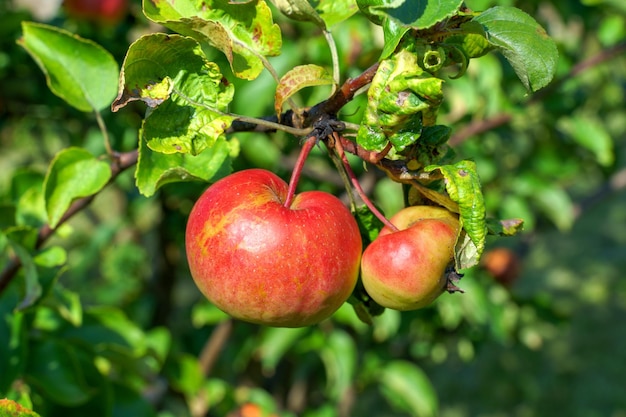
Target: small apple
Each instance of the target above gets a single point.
(406, 269)
(503, 265)
(265, 263)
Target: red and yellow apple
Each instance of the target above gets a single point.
(406, 269)
(265, 263)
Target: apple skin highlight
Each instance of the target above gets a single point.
(265, 263)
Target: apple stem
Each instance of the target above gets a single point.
(307, 146)
(355, 183)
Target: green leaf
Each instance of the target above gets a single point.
(523, 42)
(339, 357)
(393, 33)
(408, 388)
(27, 191)
(244, 32)
(67, 304)
(274, 344)
(590, 133)
(206, 314)
(463, 186)
(417, 14)
(473, 40)
(73, 173)
(22, 241)
(156, 169)
(77, 70)
(298, 78)
(336, 11)
(369, 224)
(556, 204)
(14, 349)
(190, 95)
(186, 375)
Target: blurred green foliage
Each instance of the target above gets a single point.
(122, 331)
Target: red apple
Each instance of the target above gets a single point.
(265, 263)
(406, 269)
(102, 11)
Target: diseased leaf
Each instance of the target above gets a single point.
(463, 186)
(9, 408)
(401, 100)
(507, 227)
(172, 74)
(73, 173)
(244, 32)
(155, 169)
(298, 78)
(523, 42)
(77, 70)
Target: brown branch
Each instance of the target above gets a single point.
(119, 164)
(478, 127)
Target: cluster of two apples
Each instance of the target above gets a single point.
(263, 262)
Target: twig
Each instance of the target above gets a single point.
(485, 125)
(297, 169)
(355, 183)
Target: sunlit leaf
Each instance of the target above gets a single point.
(523, 42)
(335, 11)
(155, 169)
(417, 14)
(298, 78)
(244, 32)
(172, 74)
(463, 186)
(73, 173)
(78, 70)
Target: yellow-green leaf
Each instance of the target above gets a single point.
(298, 78)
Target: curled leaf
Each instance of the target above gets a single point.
(463, 186)
(298, 78)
